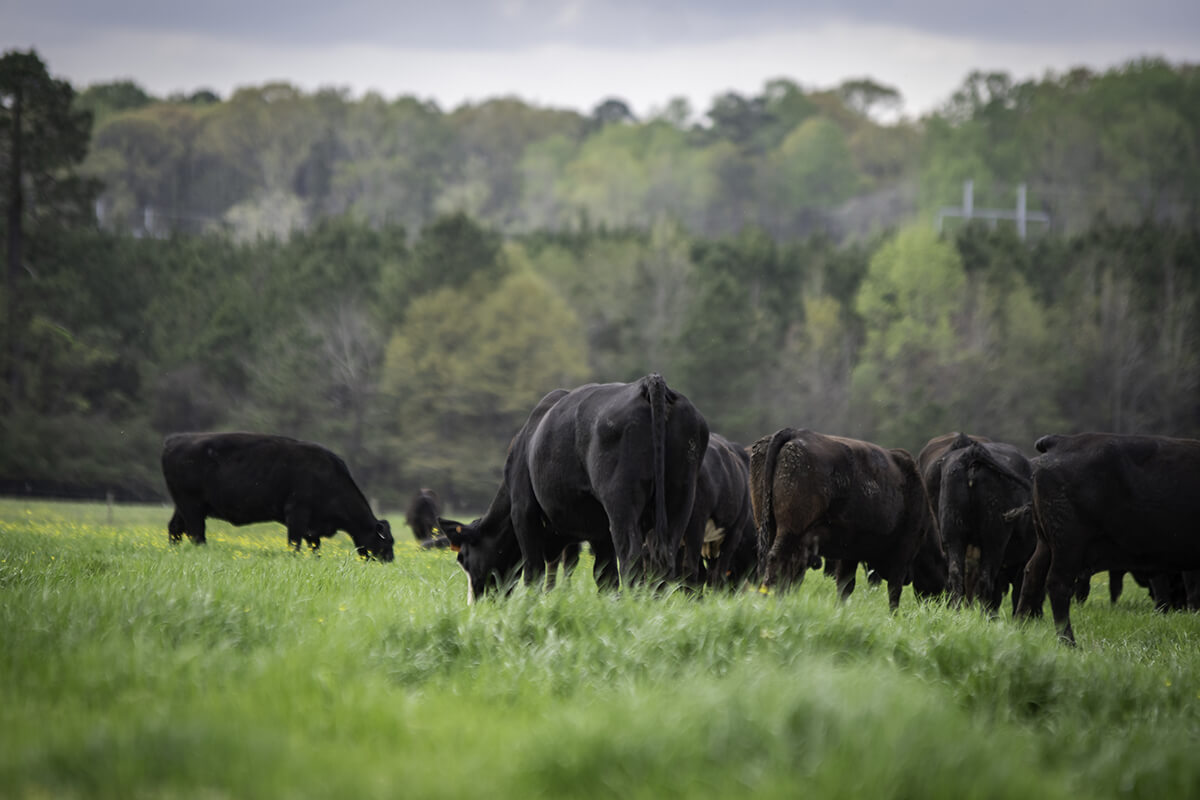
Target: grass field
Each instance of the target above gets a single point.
(131, 668)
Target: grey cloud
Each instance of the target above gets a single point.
(503, 24)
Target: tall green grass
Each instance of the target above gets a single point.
(132, 668)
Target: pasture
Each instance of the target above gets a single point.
(133, 668)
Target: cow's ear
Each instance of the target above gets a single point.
(457, 532)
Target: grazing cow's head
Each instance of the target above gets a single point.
(491, 559)
(379, 542)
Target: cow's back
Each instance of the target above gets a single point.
(932, 459)
(811, 476)
(245, 478)
(1133, 489)
(600, 430)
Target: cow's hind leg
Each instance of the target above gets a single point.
(988, 589)
(1065, 543)
(1060, 583)
(297, 520)
(956, 564)
(630, 546)
(845, 571)
(1033, 586)
(1016, 578)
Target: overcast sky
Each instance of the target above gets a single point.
(576, 53)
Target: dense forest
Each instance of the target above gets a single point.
(402, 283)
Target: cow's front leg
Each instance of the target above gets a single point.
(530, 528)
(175, 528)
(604, 569)
(194, 523)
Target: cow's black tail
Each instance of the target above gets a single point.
(979, 456)
(960, 441)
(656, 394)
(766, 530)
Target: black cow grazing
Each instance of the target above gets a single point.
(612, 464)
(720, 541)
(1110, 501)
(422, 519)
(1170, 591)
(494, 565)
(973, 483)
(244, 478)
(826, 496)
(1083, 584)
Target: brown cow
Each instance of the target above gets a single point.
(826, 496)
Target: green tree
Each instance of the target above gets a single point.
(811, 170)
(740, 307)
(106, 99)
(607, 179)
(146, 159)
(866, 96)
(317, 378)
(544, 205)
(45, 138)
(734, 202)
(612, 111)
(810, 380)
(903, 386)
(452, 251)
(738, 119)
(461, 374)
(392, 161)
(680, 187)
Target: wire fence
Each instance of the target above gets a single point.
(42, 489)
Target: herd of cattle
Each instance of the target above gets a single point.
(633, 470)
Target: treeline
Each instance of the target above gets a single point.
(793, 161)
(418, 357)
(402, 285)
